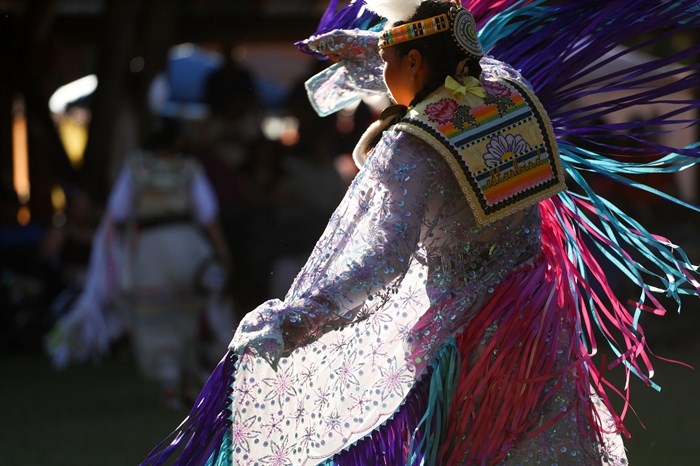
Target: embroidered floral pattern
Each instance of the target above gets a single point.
(280, 454)
(449, 111)
(494, 88)
(281, 386)
(244, 391)
(501, 148)
(273, 425)
(393, 378)
(442, 111)
(242, 431)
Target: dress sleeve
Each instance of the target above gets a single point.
(206, 206)
(364, 251)
(385, 225)
(120, 203)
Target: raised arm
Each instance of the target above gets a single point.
(365, 250)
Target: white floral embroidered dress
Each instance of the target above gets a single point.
(404, 262)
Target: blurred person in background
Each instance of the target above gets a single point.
(158, 260)
(230, 146)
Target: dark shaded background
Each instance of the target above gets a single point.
(106, 414)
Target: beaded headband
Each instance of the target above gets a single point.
(459, 22)
(414, 30)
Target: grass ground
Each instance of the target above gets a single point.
(110, 416)
(84, 416)
(672, 433)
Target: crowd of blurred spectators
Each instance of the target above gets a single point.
(275, 192)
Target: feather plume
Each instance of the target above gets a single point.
(393, 10)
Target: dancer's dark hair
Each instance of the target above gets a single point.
(439, 50)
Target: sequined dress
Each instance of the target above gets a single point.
(405, 264)
(414, 336)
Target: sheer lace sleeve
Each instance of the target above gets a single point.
(365, 249)
(357, 73)
(390, 200)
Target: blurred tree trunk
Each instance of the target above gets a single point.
(28, 45)
(156, 35)
(24, 37)
(48, 160)
(112, 68)
(7, 91)
(120, 90)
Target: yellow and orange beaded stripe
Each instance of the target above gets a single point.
(414, 30)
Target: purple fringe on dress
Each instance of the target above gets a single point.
(567, 59)
(582, 32)
(202, 432)
(350, 17)
(389, 444)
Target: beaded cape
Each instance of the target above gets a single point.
(502, 149)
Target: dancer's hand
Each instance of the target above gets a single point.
(259, 333)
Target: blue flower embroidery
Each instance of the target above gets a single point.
(501, 148)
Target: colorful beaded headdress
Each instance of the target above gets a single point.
(459, 22)
(414, 30)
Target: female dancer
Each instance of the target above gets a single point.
(444, 315)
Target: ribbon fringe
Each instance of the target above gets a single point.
(202, 437)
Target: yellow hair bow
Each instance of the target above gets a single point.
(471, 85)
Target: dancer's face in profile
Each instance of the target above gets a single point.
(403, 75)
